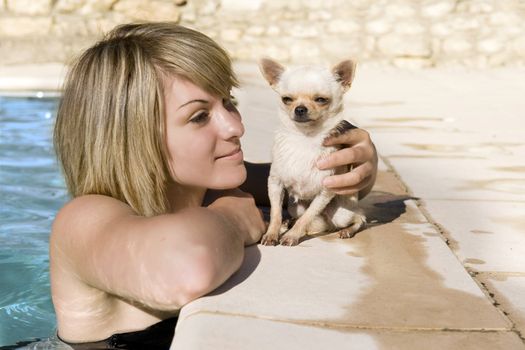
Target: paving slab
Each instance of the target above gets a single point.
(454, 99)
(456, 140)
(398, 274)
(488, 235)
(459, 179)
(205, 330)
(442, 144)
(509, 291)
(31, 77)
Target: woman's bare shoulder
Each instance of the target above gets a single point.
(90, 209)
(89, 213)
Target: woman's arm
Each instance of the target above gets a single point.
(162, 262)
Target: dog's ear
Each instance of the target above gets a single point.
(271, 70)
(344, 73)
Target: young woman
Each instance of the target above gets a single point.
(149, 142)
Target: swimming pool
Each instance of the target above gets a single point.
(31, 192)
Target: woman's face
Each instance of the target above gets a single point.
(203, 137)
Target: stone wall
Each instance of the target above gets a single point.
(415, 33)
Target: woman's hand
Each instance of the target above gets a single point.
(360, 152)
(240, 209)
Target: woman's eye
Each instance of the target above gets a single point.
(321, 100)
(200, 118)
(287, 100)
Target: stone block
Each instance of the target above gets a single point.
(437, 8)
(208, 7)
(30, 7)
(255, 30)
(231, 34)
(99, 25)
(400, 10)
(273, 30)
(465, 23)
(240, 5)
(465, 33)
(316, 4)
(279, 5)
(350, 47)
(25, 26)
(475, 7)
(409, 27)
(97, 6)
(320, 15)
(303, 52)
(500, 58)
(20, 51)
(458, 45)
(518, 46)
(506, 19)
(491, 45)
(68, 6)
(189, 13)
(343, 26)
(440, 30)
(300, 31)
(149, 10)
(402, 45)
(378, 26)
(277, 52)
(69, 26)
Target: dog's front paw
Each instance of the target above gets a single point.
(270, 239)
(289, 240)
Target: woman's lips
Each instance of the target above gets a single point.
(234, 155)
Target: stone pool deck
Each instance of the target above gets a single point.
(442, 265)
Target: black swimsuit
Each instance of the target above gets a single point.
(156, 337)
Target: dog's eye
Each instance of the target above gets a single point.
(321, 100)
(287, 100)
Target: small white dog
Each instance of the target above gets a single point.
(312, 102)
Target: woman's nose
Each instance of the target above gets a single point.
(230, 124)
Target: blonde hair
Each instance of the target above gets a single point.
(110, 129)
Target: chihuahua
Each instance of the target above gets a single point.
(311, 111)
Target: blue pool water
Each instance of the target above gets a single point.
(31, 192)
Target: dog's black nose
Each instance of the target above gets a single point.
(300, 111)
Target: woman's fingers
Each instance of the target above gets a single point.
(346, 156)
(352, 181)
